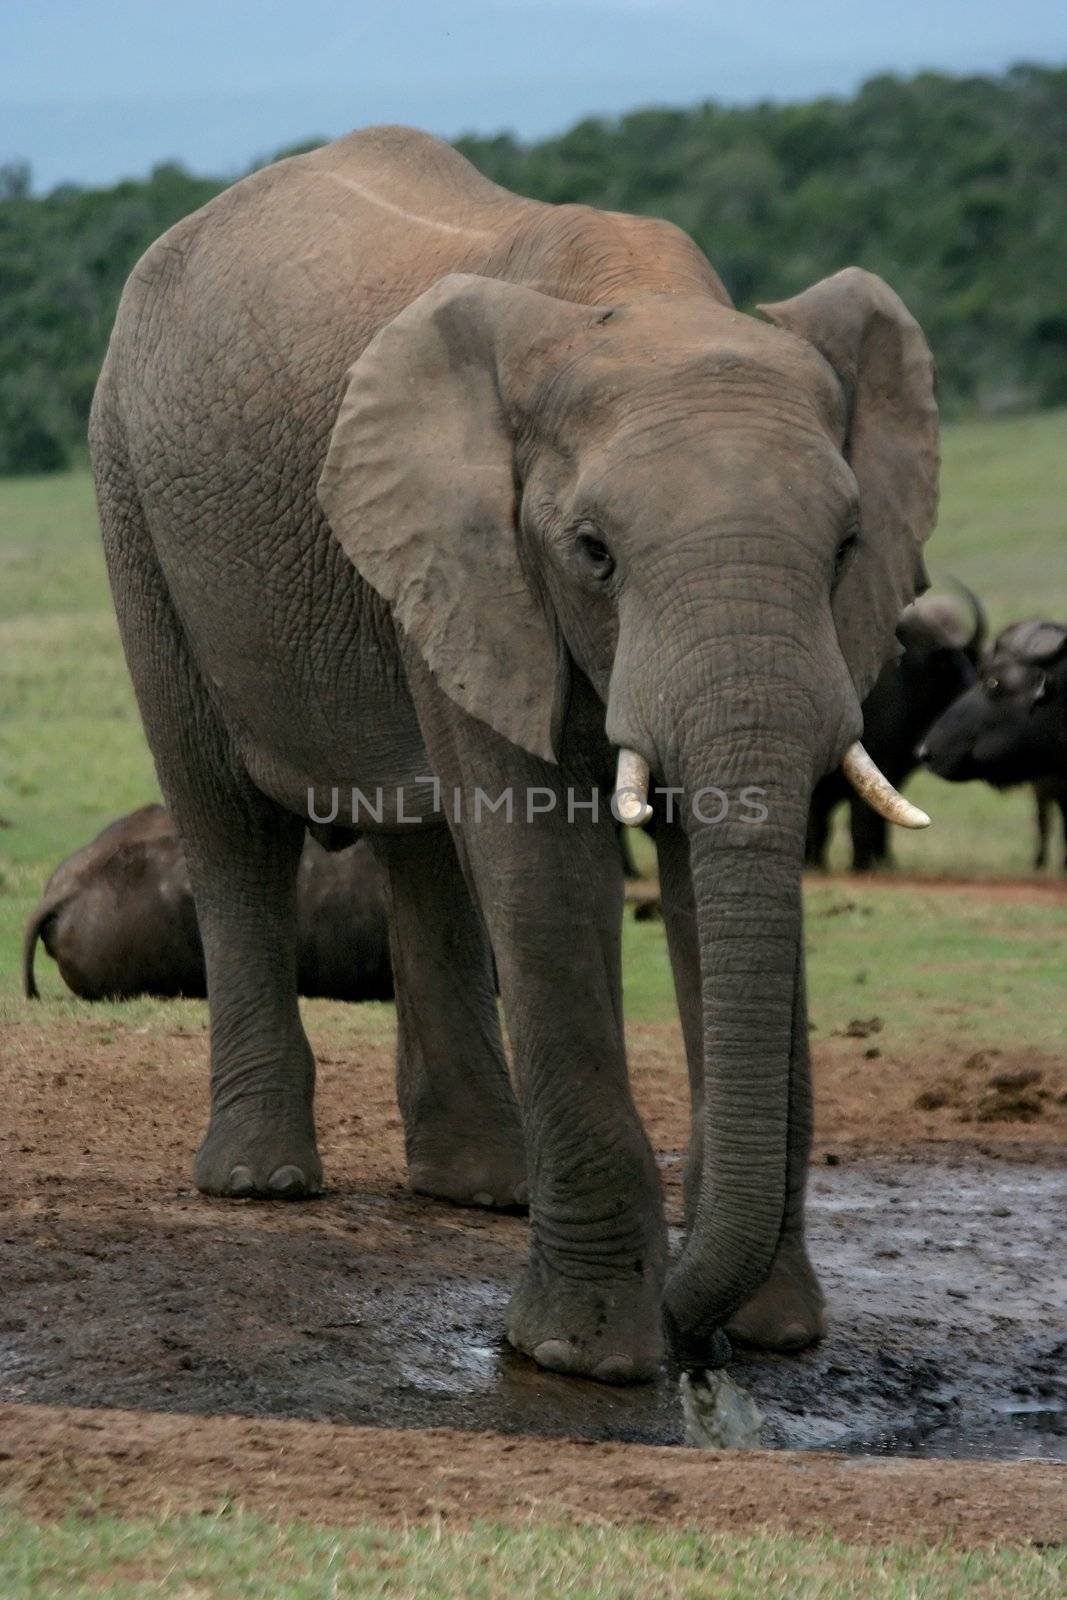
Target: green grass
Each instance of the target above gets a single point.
(934, 965)
(72, 751)
(73, 756)
(236, 1557)
(1003, 523)
(937, 966)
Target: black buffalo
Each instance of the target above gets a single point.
(939, 654)
(1050, 796)
(1011, 727)
(118, 919)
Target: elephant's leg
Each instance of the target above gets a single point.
(787, 1312)
(590, 1301)
(461, 1120)
(242, 862)
(242, 853)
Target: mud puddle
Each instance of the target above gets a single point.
(944, 1278)
(1026, 1431)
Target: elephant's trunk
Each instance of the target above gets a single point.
(751, 712)
(746, 883)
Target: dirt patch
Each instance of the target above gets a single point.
(871, 1095)
(1015, 891)
(136, 1462)
(125, 1289)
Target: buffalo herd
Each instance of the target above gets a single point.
(118, 917)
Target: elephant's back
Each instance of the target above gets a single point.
(222, 383)
(237, 327)
(313, 254)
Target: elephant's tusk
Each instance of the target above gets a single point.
(874, 787)
(630, 799)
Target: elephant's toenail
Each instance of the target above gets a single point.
(288, 1180)
(240, 1183)
(555, 1354)
(522, 1195)
(482, 1198)
(614, 1369)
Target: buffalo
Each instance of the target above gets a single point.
(1011, 726)
(1050, 796)
(118, 919)
(938, 661)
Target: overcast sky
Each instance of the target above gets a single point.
(92, 90)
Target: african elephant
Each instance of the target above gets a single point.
(118, 919)
(413, 486)
(937, 662)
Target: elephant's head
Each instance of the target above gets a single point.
(718, 521)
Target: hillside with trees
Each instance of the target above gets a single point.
(954, 189)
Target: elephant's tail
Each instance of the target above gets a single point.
(34, 929)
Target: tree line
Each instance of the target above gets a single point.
(953, 188)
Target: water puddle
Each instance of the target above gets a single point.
(948, 1334)
(1013, 1433)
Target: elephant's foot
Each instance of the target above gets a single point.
(490, 1175)
(610, 1329)
(788, 1311)
(252, 1154)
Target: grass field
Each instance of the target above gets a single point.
(73, 756)
(241, 1558)
(936, 964)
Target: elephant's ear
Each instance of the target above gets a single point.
(878, 352)
(420, 488)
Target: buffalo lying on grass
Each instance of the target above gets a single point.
(118, 919)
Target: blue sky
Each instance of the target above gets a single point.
(91, 90)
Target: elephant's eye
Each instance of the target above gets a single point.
(596, 556)
(844, 550)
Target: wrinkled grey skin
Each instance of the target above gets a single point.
(402, 475)
(118, 919)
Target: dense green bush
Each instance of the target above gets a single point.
(955, 189)
(34, 430)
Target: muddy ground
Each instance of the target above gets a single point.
(938, 1196)
(54, 1459)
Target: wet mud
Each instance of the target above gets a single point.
(939, 1239)
(949, 1326)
